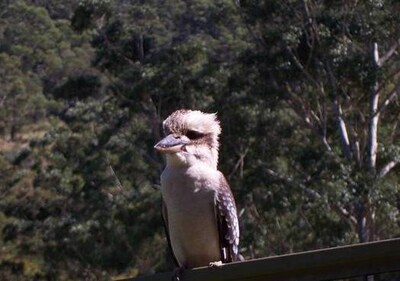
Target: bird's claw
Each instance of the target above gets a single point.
(215, 264)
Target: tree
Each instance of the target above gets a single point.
(334, 65)
(306, 92)
(37, 53)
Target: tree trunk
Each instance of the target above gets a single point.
(373, 116)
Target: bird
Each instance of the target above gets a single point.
(198, 206)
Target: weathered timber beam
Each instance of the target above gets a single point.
(325, 264)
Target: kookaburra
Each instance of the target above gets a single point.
(198, 206)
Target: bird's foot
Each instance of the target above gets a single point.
(177, 274)
(216, 264)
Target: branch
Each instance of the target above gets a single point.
(373, 117)
(389, 53)
(394, 93)
(117, 181)
(344, 137)
(357, 154)
(375, 54)
(373, 131)
(319, 129)
(388, 79)
(239, 163)
(386, 169)
(342, 212)
(301, 67)
(394, 129)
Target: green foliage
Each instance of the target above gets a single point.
(85, 85)
(319, 59)
(80, 87)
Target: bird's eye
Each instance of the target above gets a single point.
(194, 135)
(166, 130)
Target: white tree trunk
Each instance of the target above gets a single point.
(373, 117)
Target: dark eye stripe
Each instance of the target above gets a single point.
(194, 135)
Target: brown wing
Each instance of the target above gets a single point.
(228, 224)
(164, 213)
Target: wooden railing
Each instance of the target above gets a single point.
(326, 264)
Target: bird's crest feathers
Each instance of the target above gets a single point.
(183, 120)
(198, 132)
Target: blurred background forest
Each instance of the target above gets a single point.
(306, 91)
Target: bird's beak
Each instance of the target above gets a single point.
(170, 144)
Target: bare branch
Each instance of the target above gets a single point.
(388, 79)
(344, 137)
(375, 53)
(117, 181)
(373, 131)
(394, 130)
(386, 169)
(393, 94)
(389, 53)
(342, 212)
(239, 163)
(318, 127)
(373, 118)
(357, 154)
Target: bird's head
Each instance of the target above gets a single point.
(191, 137)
